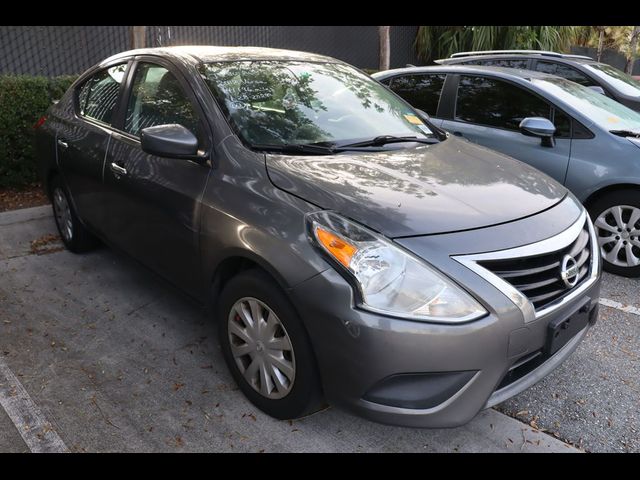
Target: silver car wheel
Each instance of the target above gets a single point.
(261, 348)
(618, 231)
(62, 211)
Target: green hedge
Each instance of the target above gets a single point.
(23, 100)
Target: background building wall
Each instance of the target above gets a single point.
(61, 50)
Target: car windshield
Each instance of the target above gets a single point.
(600, 109)
(299, 103)
(619, 80)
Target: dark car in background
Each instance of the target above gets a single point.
(585, 140)
(350, 250)
(581, 69)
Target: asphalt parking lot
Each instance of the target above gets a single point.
(98, 354)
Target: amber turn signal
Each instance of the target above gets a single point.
(336, 246)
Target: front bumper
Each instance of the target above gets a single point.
(357, 349)
(377, 366)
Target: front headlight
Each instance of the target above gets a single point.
(390, 280)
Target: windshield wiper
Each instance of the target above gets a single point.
(385, 139)
(295, 148)
(625, 133)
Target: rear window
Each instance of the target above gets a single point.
(420, 90)
(97, 96)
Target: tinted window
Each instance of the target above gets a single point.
(421, 91)
(500, 62)
(98, 95)
(564, 71)
(495, 103)
(158, 99)
(515, 63)
(562, 124)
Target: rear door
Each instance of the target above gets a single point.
(154, 202)
(421, 90)
(488, 111)
(83, 138)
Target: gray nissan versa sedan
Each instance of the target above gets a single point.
(352, 251)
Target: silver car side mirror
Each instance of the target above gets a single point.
(539, 127)
(597, 88)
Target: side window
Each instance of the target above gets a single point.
(98, 96)
(421, 91)
(158, 99)
(496, 103)
(564, 71)
(562, 123)
(508, 63)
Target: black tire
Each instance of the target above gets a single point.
(80, 240)
(305, 395)
(627, 197)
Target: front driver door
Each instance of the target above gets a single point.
(155, 201)
(488, 111)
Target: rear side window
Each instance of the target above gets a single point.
(157, 98)
(564, 71)
(97, 97)
(495, 103)
(421, 91)
(501, 62)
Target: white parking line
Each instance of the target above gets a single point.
(35, 430)
(620, 306)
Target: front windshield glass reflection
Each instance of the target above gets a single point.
(294, 103)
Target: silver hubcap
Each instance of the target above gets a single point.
(63, 214)
(261, 348)
(619, 235)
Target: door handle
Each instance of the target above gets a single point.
(62, 143)
(118, 169)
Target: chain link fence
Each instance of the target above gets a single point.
(64, 50)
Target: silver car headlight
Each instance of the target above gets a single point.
(389, 279)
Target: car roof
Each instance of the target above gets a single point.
(514, 55)
(206, 53)
(502, 72)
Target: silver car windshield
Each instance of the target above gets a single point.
(298, 103)
(622, 82)
(600, 109)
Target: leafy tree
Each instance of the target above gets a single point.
(434, 42)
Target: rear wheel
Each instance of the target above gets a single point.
(616, 218)
(267, 348)
(74, 235)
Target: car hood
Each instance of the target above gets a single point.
(450, 186)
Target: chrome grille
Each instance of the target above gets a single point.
(539, 277)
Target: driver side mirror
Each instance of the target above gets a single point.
(172, 140)
(597, 88)
(539, 127)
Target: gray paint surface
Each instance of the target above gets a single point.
(247, 215)
(119, 361)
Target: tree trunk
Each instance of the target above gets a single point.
(632, 47)
(383, 33)
(138, 37)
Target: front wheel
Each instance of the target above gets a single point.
(616, 219)
(267, 348)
